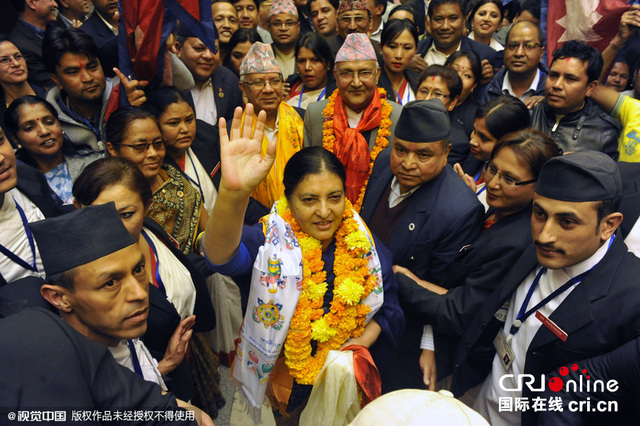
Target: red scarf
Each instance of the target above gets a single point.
(351, 148)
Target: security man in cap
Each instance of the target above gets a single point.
(100, 289)
(423, 213)
(572, 295)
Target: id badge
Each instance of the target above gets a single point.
(503, 348)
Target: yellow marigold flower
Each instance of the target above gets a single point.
(321, 331)
(309, 243)
(316, 290)
(349, 291)
(357, 240)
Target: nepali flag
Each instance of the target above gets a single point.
(595, 22)
(144, 28)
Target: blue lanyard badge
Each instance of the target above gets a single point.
(14, 257)
(134, 358)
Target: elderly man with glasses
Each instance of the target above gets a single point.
(356, 122)
(262, 83)
(284, 28)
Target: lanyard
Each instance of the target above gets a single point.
(400, 93)
(481, 190)
(14, 257)
(134, 358)
(197, 181)
(523, 314)
(475, 179)
(155, 259)
(319, 97)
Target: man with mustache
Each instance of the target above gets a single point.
(27, 35)
(102, 26)
(567, 115)
(570, 296)
(102, 290)
(284, 27)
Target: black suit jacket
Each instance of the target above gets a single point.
(477, 271)
(226, 88)
(442, 216)
(98, 30)
(599, 315)
(51, 366)
(30, 45)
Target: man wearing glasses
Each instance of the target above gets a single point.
(284, 28)
(356, 122)
(522, 75)
(573, 121)
(262, 83)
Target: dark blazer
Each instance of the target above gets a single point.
(384, 82)
(599, 315)
(30, 45)
(418, 14)
(442, 217)
(476, 272)
(98, 30)
(52, 366)
(227, 94)
(483, 51)
(494, 88)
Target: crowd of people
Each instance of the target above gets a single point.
(420, 185)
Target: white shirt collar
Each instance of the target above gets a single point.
(396, 196)
(506, 85)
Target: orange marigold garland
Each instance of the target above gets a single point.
(352, 284)
(382, 141)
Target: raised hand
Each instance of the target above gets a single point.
(243, 166)
(134, 89)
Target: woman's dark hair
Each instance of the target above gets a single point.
(481, 3)
(394, 28)
(531, 146)
(406, 7)
(504, 114)
(448, 75)
(240, 36)
(12, 117)
(119, 121)
(106, 172)
(474, 59)
(319, 46)
(314, 159)
(160, 99)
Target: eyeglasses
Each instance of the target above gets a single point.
(490, 171)
(6, 60)
(529, 46)
(362, 75)
(144, 147)
(432, 94)
(261, 84)
(279, 24)
(357, 19)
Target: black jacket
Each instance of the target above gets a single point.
(589, 128)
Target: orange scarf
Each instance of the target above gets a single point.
(353, 149)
